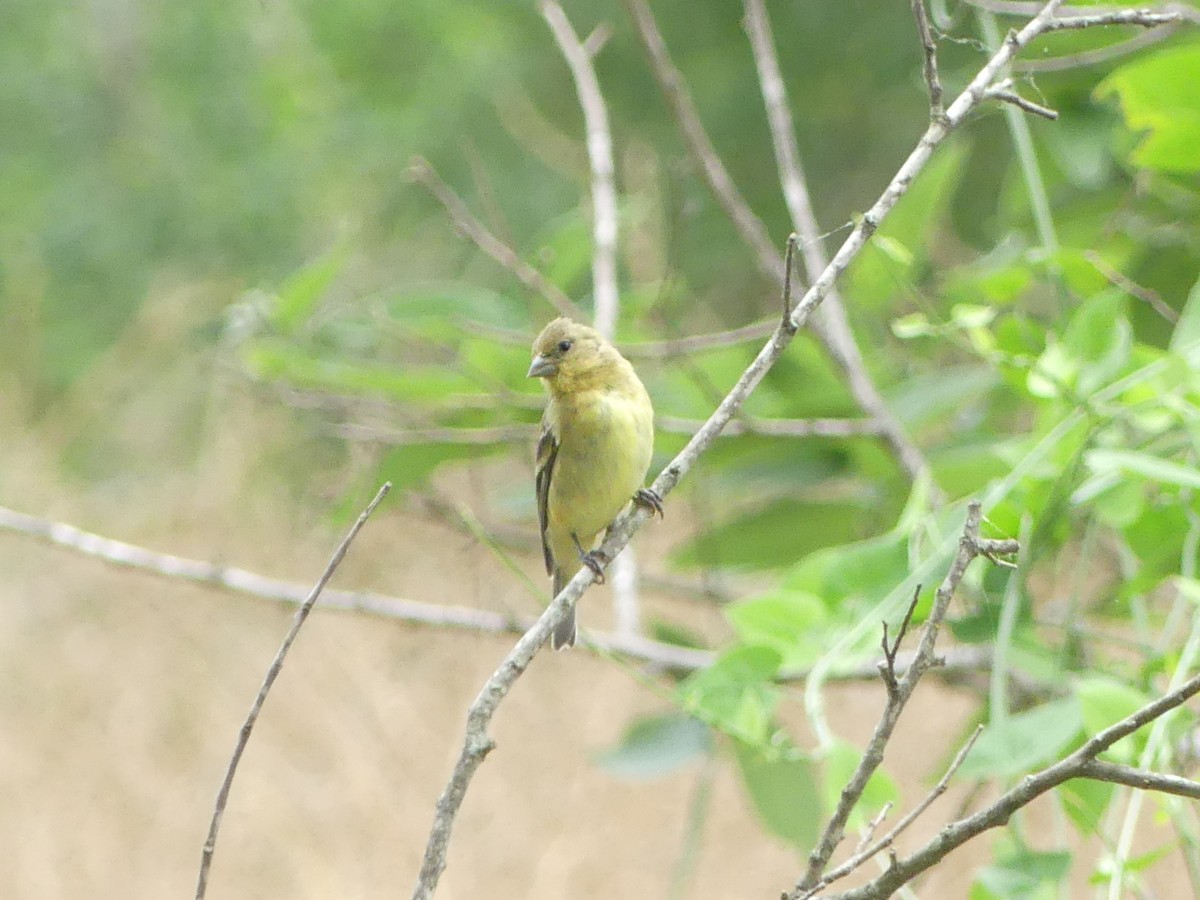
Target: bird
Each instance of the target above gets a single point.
(596, 441)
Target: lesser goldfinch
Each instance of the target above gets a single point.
(595, 447)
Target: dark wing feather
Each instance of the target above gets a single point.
(547, 452)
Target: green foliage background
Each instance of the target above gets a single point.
(253, 158)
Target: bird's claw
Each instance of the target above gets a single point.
(650, 500)
(596, 561)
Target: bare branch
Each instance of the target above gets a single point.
(666, 349)
(600, 155)
(1144, 18)
(832, 327)
(273, 671)
(1131, 287)
(865, 853)
(449, 434)
(465, 223)
(1097, 55)
(930, 69)
(899, 692)
(606, 298)
(1005, 94)
(836, 428)
(1099, 770)
(1080, 764)
(1033, 7)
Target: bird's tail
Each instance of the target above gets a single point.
(563, 635)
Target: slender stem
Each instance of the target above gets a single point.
(210, 842)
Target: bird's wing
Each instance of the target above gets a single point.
(547, 452)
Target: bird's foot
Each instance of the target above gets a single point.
(593, 559)
(596, 561)
(650, 500)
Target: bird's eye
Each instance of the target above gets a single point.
(564, 346)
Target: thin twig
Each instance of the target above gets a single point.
(899, 692)
(1144, 18)
(273, 671)
(1131, 287)
(834, 428)
(929, 49)
(1033, 7)
(606, 297)
(465, 223)
(495, 434)
(865, 853)
(1097, 55)
(1080, 764)
(832, 326)
(1099, 770)
(666, 349)
(1005, 94)
(600, 156)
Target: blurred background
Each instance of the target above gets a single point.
(230, 312)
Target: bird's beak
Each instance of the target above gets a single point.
(542, 367)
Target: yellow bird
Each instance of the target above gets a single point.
(596, 443)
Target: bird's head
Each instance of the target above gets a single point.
(570, 356)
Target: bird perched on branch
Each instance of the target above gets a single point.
(597, 438)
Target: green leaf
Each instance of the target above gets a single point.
(1136, 463)
(1186, 337)
(1105, 701)
(736, 694)
(300, 293)
(1160, 94)
(1100, 339)
(911, 326)
(1024, 741)
(784, 793)
(1027, 875)
(656, 746)
(972, 315)
(790, 622)
(772, 536)
(1085, 802)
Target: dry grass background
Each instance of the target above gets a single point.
(121, 693)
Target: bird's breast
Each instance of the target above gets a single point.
(605, 444)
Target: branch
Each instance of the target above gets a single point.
(666, 349)
(1095, 56)
(1152, 298)
(889, 839)
(466, 224)
(1031, 7)
(1005, 94)
(606, 299)
(449, 434)
(1144, 18)
(835, 428)
(899, 692)
(1080, 764)
(1098, 770)
(833, 327)
(930, 69)
(599, 147)
(272, 673)
(669, 657)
